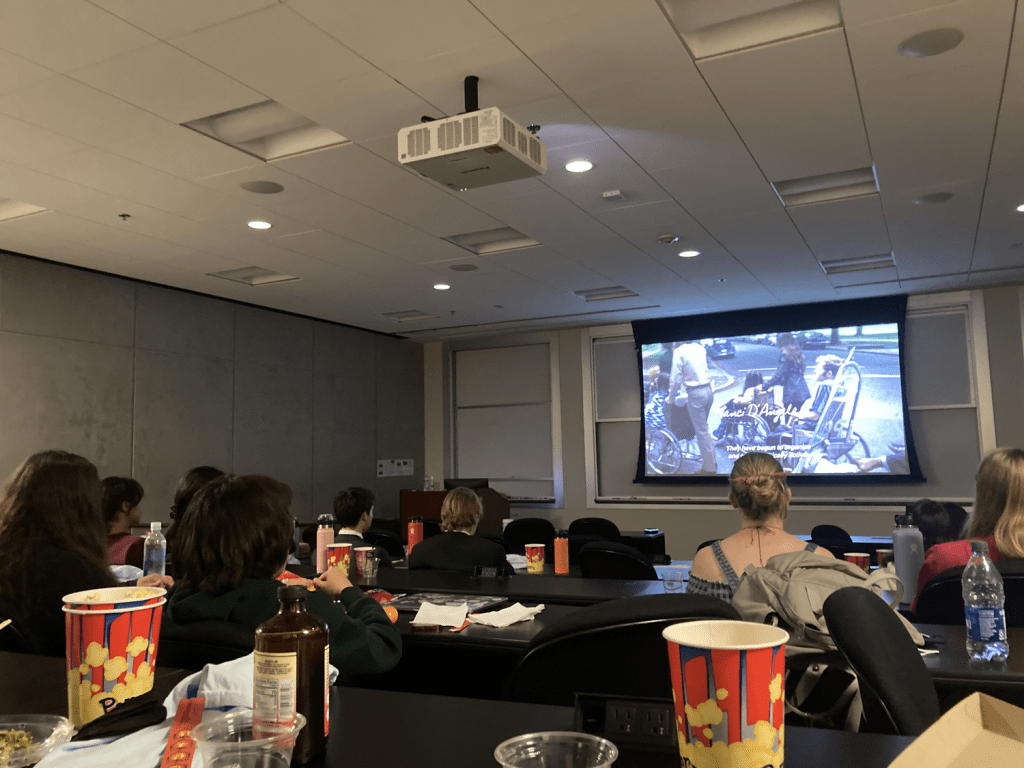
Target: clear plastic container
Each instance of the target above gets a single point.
(228, 741)
(556, 749)
(47, 731)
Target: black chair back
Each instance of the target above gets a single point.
(612, 560)
(431, 527)
(193, 646)
(827, 535)
(386, 541)
(594, 526)
(613, 648)
(896, 688)
(530, 530)
(941, 600)
(707, 543)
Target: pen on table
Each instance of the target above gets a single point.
(4, 623)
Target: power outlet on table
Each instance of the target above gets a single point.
(656, 723)
(621, 719)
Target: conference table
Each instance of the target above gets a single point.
(373, 727)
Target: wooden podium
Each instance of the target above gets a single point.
(427, 504)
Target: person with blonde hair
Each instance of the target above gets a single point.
(998, 516)
(456, 548)
(757, 488)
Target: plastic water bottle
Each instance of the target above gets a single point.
(983, 607)
(154, 552)
(908, 556)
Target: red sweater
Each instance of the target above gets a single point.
(952, 554)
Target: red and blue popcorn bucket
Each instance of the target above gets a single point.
(111, 640)
(728, 686)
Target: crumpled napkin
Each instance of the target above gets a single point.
(506, 616)
(431, 614)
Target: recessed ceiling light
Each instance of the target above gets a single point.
(579, 166)
(932, 198)
(1020, 208)
(930, 43)
(689, 254)
(441, 287)
(259, 224)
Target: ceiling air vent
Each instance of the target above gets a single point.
(408, 315)
(12, 209)
(254, 276)
(490, 241)
(600, 294)
(858, 264)
(826, 188)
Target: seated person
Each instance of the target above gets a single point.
(757, 488)
(740, 406)
(121, 497)
(938, 521)
(456, 548)
(233, 541)
(825, 370)
(998, 516)
(53, 541)
(353, 511)
(654, 411)
(187, 487)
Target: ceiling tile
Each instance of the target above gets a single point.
(29, 186)
(546, 216)
(65, 34)
(72, 109)
(295, 189)
(169, 83)
(843, 228)
(184, 153)
(168, 18)
(795, 105)
(275, 51)
(24, 143)
(17, 73)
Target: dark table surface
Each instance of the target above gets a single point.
(385, 728)
(535, 588)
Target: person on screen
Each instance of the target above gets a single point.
(739, 406)
(757, 488)
(826, 368)
(456, 548)
(233, 542)
(353, 511)
(790, 374)
(690, 387)
(654, 411)
(998, 516)
(895, 461)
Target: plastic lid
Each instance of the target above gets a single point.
(979, 547)
(326, 519)
(154, 527)
(561, 534)
(292, 592)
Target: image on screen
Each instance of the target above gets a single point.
(824, 402)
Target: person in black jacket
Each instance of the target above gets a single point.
(353, 513)
(456, 548)
(53, 541)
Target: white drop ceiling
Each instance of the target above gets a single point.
(92, 95)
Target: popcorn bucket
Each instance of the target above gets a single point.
(728, 688)
(110, 642)
(339, 556)
(535, 558)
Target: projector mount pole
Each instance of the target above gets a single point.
(472, 103)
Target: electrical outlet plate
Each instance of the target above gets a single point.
(637, 722)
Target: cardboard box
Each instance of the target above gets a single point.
(979, 731)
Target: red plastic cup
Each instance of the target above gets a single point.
(861, 559)
(111, 639)
(728, 687)
(339, 556)
(361, 553)
(535, 558)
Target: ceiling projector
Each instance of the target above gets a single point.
(475, 149)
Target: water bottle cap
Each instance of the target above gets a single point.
(326, 519)
(561, 534)
(154, 527)
(979, 547)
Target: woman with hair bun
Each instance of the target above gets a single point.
(757, 488)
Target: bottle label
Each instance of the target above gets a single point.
(274, 682)
(985, 624)
(327, 689)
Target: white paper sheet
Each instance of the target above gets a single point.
(441, 615)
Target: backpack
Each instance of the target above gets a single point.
(794, 586)
(789, 590)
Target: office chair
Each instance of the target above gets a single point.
(612, 560)
(530, 530)
(613, 648)
(193, 646)
(386, 541)
(431, 527)
(941, 600)
(594, 526)
(833, 538)
(896, 688)
(703, 544)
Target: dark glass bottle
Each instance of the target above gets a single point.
(292, 673)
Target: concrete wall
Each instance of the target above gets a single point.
(148, 382)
